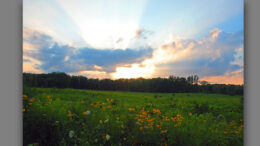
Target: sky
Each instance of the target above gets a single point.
(135, 38)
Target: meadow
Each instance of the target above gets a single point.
(87, 117)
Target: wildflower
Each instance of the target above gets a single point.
(23, 110)
(158, 126)
(173, 118)
(87, 112)
(141, 128)
(96, 140)
(240, 127)
(69, 113)
(107, 137)
(190, 114)
(109, 106)
(71, 133)
(106, 120)
(25, 96)
(157, 111)
(164, 131)
(100, 121)
(31, 100)
(131, 109)
(117, 118)
(122, 125)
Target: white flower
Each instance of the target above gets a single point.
(71, 133)
(88, 112)
(106, 120)
(107, 137)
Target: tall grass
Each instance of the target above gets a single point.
(83, 117)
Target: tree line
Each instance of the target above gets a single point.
(172, 84)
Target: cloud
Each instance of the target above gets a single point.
(119, 40)
(217, 58)
(214, 55)
(55, 57)
(142, 33)
(238, 57)
(138, 33)
(234, 77)
(215, 32)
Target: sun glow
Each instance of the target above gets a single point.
(105, 24)
(134, 71)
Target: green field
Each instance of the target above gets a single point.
(84, 117)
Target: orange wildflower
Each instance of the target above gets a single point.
(69, 113)
(164, 131)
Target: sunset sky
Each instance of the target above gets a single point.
(135, 38)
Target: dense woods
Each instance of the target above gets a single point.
(172, 84)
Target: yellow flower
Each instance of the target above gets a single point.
(190, 114)
(31, 100)
(100, 121)
(117, 118)
(164, 131)
(157, 111)
(69, 113)
(131, 109)
(122, 125)
(141, 128)
(25, 96)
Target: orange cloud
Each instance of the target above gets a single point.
(93, 74)
(97, 67)
(215, 32)
(235, 77)
(29, 67)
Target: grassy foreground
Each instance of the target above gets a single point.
(83, 117)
